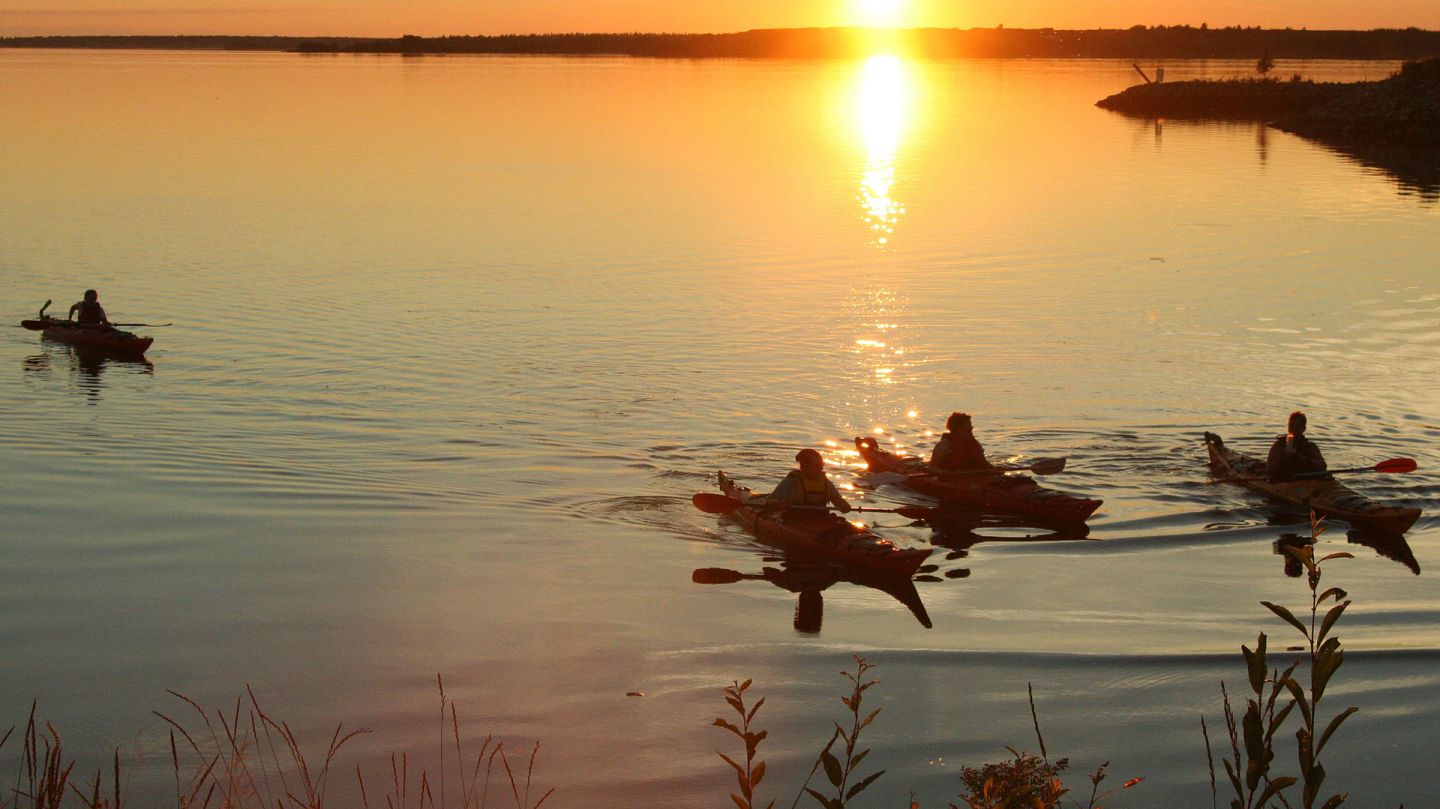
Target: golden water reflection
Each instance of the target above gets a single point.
(880, 360)
(881, 103)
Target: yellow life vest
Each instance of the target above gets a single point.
(813, 492)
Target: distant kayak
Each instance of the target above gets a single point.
(995, 492)
(822, 535)
(100, 338)
(1328, 497)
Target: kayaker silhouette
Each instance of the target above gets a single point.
(91, 313)
(1293, 453)
(958, 450)
(808, 485)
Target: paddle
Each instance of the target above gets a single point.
(714, 503)
(1392, 466)
(41, 325)
(1040, 466)
(720, 575)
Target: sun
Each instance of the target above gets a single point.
(879, 12)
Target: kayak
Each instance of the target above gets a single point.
(101, 338)
(1329, 498)
(822, 534)
(997, 492)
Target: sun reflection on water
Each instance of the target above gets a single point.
(881, 103)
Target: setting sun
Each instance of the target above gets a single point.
(879, 12)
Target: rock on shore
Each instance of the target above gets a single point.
(1403, 110)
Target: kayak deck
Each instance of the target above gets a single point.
(821, 534)
(1016, 495)
(1329, 498)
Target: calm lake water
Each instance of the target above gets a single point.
(455, 340)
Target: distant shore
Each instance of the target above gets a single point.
(1138, 42)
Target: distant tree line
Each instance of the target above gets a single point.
(1155, 42)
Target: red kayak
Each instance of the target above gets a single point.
(986, 492)
(822, 534)
(100, 338)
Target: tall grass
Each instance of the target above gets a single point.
(243, 758)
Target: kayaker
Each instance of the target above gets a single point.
(957, 450)
(808, 485)
(91, 313)
(1294, 454)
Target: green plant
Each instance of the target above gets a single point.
(1326, 656)
(750, 775)
(1027, 781)
(1249, 770)
(840, 773)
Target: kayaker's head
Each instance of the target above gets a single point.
(811, 463)
(1296, 425)
(958, 423)
(91, 295)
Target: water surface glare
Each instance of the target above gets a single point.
(457, 338)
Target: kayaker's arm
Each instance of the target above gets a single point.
(833, 495)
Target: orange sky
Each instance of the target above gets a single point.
(439, 17)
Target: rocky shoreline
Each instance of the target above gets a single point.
(1393, 124)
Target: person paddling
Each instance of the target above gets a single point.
(808, 485)
(958, 450)
(90, 312)
(1293, 453)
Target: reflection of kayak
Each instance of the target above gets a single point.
(1328, 497)
(100, 338)
(822, 534)
(1004, 494)
(808, 580)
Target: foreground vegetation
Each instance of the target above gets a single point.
(245, 759)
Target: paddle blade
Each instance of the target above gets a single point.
(1396, 466)
(713, 503)
(916, 513)
(715, 575)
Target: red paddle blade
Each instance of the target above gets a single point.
(915, 512)
(713, 503)
(1396, 466)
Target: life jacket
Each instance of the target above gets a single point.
(90, 312)
(810, 494)
(956, 452)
